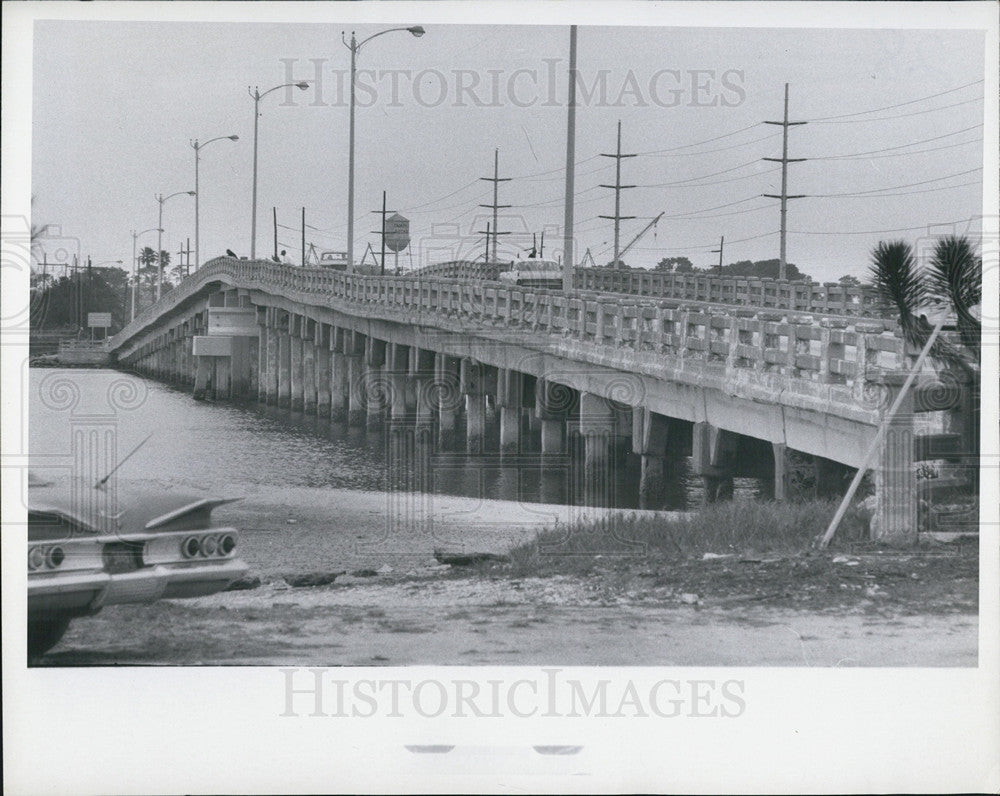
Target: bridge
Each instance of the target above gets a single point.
(743, 376)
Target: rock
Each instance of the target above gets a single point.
(466, 559)
(245, 583)
(291, 521)
(364, 573)
(689, 599)
(385, 569)
(713, 556)
(311, 579)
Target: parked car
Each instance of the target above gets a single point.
(163, 546)
(534, 272)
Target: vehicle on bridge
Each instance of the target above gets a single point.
(335, 260)
(79, 561)
(534, 272)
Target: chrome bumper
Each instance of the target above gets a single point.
(90, 591)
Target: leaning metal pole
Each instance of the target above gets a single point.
(880, 436)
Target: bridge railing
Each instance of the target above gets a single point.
(825, 349)
(829, 298)
(798, 295)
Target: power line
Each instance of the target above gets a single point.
(901, 115)
(880, 231)
(689, 184)
(912, 143)
(904, 193)
(898, 105)
(699, 143)
(894, 187)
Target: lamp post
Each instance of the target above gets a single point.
(355, 47)
(135, 265)
(197, 191)
(257, 97)
(159, 240)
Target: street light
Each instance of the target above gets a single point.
(257, 97)
(197, 191)
(135, 264)
(355, 47)
(159, 240)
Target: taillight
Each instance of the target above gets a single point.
(209, 544)
(189, 548)
(36, 557)
(227, 544)
(55, 557)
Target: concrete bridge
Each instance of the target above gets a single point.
(736, 387)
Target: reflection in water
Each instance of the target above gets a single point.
(205, 445)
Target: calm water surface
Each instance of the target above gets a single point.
(203, 445)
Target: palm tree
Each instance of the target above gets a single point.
(955, 281)
(952, 283)
(147, 270)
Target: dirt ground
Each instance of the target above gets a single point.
(339, 587)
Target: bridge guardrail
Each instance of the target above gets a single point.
(797, 295)
(835, 350)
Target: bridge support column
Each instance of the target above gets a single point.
(421, 370)
(241, 367)
(712, 454)
(780, 471)
(284, 368)
(597, 427)
(375, 387)
(222, 383)
(397, 369)
(652, 444)
(340, 384)
(262, 356)
(550, 412)
(509, 397)
(323, 381)
(271, 358)
(308, 367)
(204, 371)
(448, 394)
(530, 388)
(355, 390)
(475, 417)
(895, 520)
(295, 343)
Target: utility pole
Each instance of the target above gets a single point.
(722, 243)
(184, 258)
(381, 231)
(570, 166)
(496, 179)
(303, 237)
(274, 213)
(618, 188)
(784, 160)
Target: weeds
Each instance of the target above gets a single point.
(740, 528)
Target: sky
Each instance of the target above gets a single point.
(893, 143)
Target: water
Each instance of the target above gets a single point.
(208, 446)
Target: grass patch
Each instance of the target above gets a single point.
(741, 528)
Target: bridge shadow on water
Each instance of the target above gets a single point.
(397, 456)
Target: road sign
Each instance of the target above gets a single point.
(397, 232)
(99, 320)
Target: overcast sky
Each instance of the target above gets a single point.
(116, 104)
